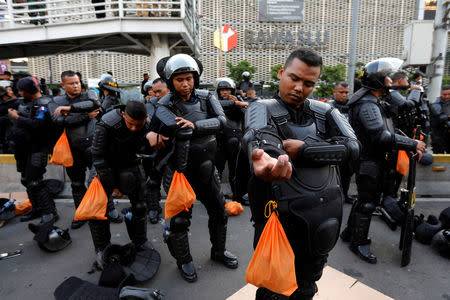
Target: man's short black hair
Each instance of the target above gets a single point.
(7, 73)
(56, 91)
(398, 75)
(308, 56)
(446, 87)
(159, 79)
(341, 83)
(136, 110)
(68, 73)
(416, 75)
(79, 74)
(145, 74)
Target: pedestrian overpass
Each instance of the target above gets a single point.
(50, 27)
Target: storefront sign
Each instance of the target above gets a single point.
(283, 39)
(281, 10)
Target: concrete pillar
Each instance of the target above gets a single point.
(160, 49)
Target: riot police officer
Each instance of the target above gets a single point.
(340, 93)
(148, 90)
(31, 137)
(376, 133)
(153, 185)
(187, 120)
(76, 112)
(109, 93)
(245, 84)
(293, 145)
(229, 140)
(121, 134)
(440, 110)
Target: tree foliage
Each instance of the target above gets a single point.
(235, 72)
(330, 75)
(273, 85)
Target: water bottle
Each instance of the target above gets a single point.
(128, 215)
(166, 234)
(8, 206)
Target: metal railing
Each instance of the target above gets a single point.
(20, 13)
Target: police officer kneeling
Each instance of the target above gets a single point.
(294, 145)
(117, 138)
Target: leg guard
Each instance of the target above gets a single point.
(78, 191)
(137, 226)
(307, 291)
(265, 294)
(101, 235)
(42, 197)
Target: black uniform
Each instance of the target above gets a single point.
(345, 170)
(113, 140)
(244, 85)
(110, 102)
(310, 203)
(80, 130)
(376, 133)
(440, 121)
(152, 193)
(194, 153)
(229, 142)
(31, 135)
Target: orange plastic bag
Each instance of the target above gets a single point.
(234, 208)
(62, 155)
(181, 196)
(23, 207)
(93, 205)
(402, 162)
(272, 264)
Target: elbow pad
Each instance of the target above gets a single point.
(83, 106)
(208, 126)
(263, 139)
(404, 143)
(386, 138)
(323, 154)
(353, 148)
(184, 134)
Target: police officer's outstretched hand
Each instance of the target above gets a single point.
(13, 113)
(268, 168)
(62, 109)
(93, 114)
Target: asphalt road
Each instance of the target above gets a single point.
(35, 274)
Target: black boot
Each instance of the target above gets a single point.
(178, 244)
(359, 243)
(218, 235)
(31, 215)
(265, 294)
(306, 292)
(137, 231)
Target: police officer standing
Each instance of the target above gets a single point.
(153, 185)
(377, 136)
(189, 119)
(440, 110)
(121, 134)
(229, 140)
(340, 93)
(293, 145)
(245, 84)
(31, 137)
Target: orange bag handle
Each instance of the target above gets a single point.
(271, 206)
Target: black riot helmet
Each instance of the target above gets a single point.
(375, 72)
(180, 64)
(107, 82)
(56, 240)
(225, 83)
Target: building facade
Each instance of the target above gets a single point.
(325, 27)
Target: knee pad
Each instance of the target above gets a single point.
(78, 186)
(38, 159)
(35, 184)
(205, 171)
(140, 209)
(325, 236)
(232, 144)
(127, 182)
(367, 208)
(179, 224)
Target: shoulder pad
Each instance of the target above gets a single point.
(202, 93)
(112, 118)
(153, 100)
(256, 116)
(166, 116)
(358, 95)
(61, 100)
(43, 101)
(370, 116)
(318, 107)
(342, 123)
(276, 109)
(436, 108)
(165, 101)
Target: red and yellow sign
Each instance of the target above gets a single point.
(225, 40)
